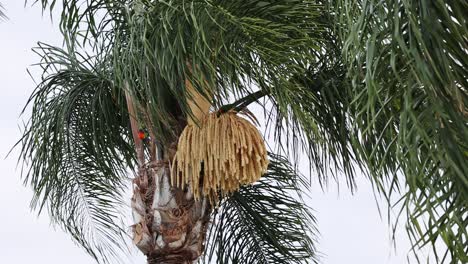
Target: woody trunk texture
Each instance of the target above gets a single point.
(170, 224)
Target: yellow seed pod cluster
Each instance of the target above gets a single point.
(219, 155)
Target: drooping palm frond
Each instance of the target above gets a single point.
(315, 120)
(230, 48)
(266, 222)
(222, 48)
(87, 20)
(226, 48)
(77, 149)
(409, 65)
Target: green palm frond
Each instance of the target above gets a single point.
(266, 222)
(409, 64)
(221, 47)
(225, 48)
(76, 147)
(315, 120)
(87, 20)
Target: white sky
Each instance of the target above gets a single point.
(351, 228)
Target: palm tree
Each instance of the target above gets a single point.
(160, 87)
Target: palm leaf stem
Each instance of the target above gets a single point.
(243, 102)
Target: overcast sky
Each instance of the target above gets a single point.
(351, 229)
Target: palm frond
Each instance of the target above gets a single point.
(313, 118)
(76, 147)
(409, 68)
(2, 13)
(225, 48)
(310, 108)
(266, 222)
(220, 47)
(86, 20)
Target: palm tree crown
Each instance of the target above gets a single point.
(371, 86)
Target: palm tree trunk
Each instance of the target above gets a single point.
(170, 225)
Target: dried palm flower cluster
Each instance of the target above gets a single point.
(219, 155)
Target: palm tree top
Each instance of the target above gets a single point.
(373, 86)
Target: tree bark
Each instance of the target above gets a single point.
(170, 225)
